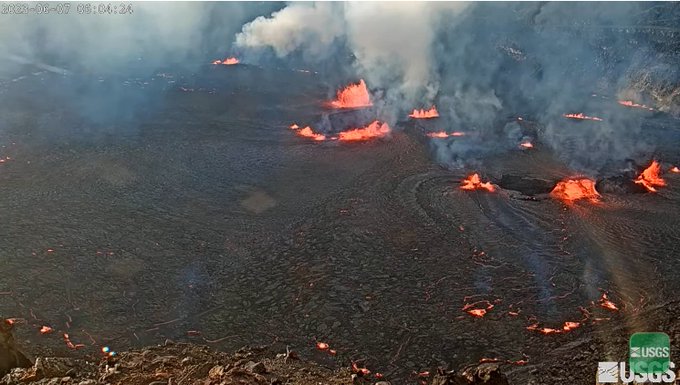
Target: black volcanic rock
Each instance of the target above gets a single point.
(488, 374)
(619, 184)
(10, 355)
(526, 185)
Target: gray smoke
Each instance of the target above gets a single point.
(109, 59)
(391, 44)
(158, 33)
(484, 64)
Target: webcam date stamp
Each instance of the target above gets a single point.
(65, 8)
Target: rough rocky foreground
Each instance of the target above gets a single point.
(179, 363)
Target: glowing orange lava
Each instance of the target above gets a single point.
(675, 169)
(582, 116)
(294, 126)
(478, 309)
(70, 344)
(45, 330)
(357, 369)
(227, 62)
(650, 177)
(574, 189)
(477, 312)
(307, 132)
(474, 182)
(607, 304)
(425, 114)
(630, 103)
(353, 96)
(373, 130)
(444, 134)
(566, 327)
(322, 346)
(526, 145)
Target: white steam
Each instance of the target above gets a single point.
(392, 43)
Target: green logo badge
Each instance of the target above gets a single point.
(649, 353)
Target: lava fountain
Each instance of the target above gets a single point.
(571, 190)
(582, 116)
(650, 177)
(373, 130)
(307, 132)
(227, 62)
(474, 182)
(630, 103)
(444, 134)
(353, 96)
(425, 114)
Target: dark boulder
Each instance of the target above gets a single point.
(526, 185)
(619, 184)
(10, 355)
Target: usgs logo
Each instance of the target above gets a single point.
(650, 352)
(615, 372)
(648, 359)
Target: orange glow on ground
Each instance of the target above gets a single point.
(474, 182)
(607, 304)
(575, 189)
(650, 177)
(307, 132)
(372, 131)
(227, 62)
(582, 116)
(444, 134)
(322, 346)
(566, 327)
(425, 114)
(630, 103)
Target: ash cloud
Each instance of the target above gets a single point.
(390, 44)
(159, 33)
(102, 54)
(484, 64)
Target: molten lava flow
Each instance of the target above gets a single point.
(357, 369)
(70, 344)
(227, 62)
(566, 327)
(294, 126)
(373, 130)
(581, 116)
(423, 114)
(675, 169)
(308, 133)
(574, 189)
(478, 309)
(444, 134)
(322, 346)
(353, 96)
(474, 182)
(45, 330)
(650, 177)
(630, 103)
(526, 145)
(607, 304)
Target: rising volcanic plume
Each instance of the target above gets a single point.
(477, 62)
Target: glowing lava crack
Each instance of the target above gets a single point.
(474, 182)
